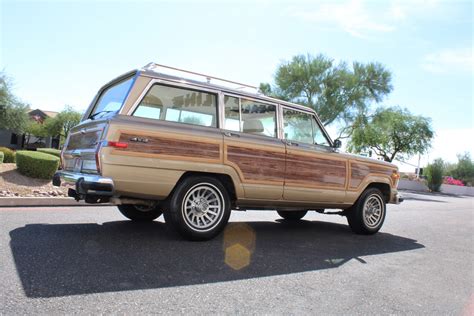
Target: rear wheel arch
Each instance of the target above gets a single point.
(199, 207)
(225, 179)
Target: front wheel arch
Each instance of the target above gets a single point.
(383, 187)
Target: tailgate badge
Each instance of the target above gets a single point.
(139, 140)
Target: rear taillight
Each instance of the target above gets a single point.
(97, 158)
(117, 144)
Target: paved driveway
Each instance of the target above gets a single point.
(91, 260)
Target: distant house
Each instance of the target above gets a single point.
(17, 141)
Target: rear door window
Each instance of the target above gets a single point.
(249, 116)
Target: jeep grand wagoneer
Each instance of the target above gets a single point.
(154, 143)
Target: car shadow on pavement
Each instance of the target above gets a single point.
(55, 260)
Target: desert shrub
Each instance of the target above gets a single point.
(1, 157)
(51, 151)
(434, 174)
(8, 155)
(36, 164)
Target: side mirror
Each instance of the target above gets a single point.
(337, 143)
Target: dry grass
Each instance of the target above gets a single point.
(19, 185)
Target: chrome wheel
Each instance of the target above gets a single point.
(373, 211)
(203, 207)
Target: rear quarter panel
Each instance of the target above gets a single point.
(152, 169)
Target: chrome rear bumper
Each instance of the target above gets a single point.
(85, 184)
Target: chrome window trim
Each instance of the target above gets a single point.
(221, 107)
(227, 90)
(183, 83)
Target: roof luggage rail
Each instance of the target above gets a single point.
(237, 85)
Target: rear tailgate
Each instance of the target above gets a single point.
(80, 153)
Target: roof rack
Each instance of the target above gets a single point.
(153, 66)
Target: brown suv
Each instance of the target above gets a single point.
(154, 143)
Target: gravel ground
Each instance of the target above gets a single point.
(90, 260)
(12, 183)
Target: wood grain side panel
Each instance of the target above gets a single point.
(361, 170)
(257, 165)
(315, 171)
(157, 145)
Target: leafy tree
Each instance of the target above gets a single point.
(392, 133)
(463, 170)
(334, 91)
(434, 174)
(61, 124)
(13, 113)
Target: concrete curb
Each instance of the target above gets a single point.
(43, 201)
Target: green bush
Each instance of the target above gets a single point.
(9, 155)
(36, 164)
(51, 151)
(434, 174)
(1, 157)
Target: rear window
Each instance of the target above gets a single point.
(111, 99)
(179, 105)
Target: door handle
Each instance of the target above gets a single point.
(289, 143)
(229, 134)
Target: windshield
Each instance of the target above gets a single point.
(111, 99)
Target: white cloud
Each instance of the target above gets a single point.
(363, 18)
(448, 60)
(402, 9)
(352, 16)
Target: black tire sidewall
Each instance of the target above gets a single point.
(292, 215)
(355, 215)
(174, 216)
(130, 212)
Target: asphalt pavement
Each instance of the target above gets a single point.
(88, 260)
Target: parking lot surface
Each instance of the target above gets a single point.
(92, 260)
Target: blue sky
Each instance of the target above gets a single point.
(61, 52)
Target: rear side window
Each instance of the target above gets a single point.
(178, 105)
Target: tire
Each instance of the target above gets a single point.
(199, 208)
(140, 213)
(292, 215)
(367, 215)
